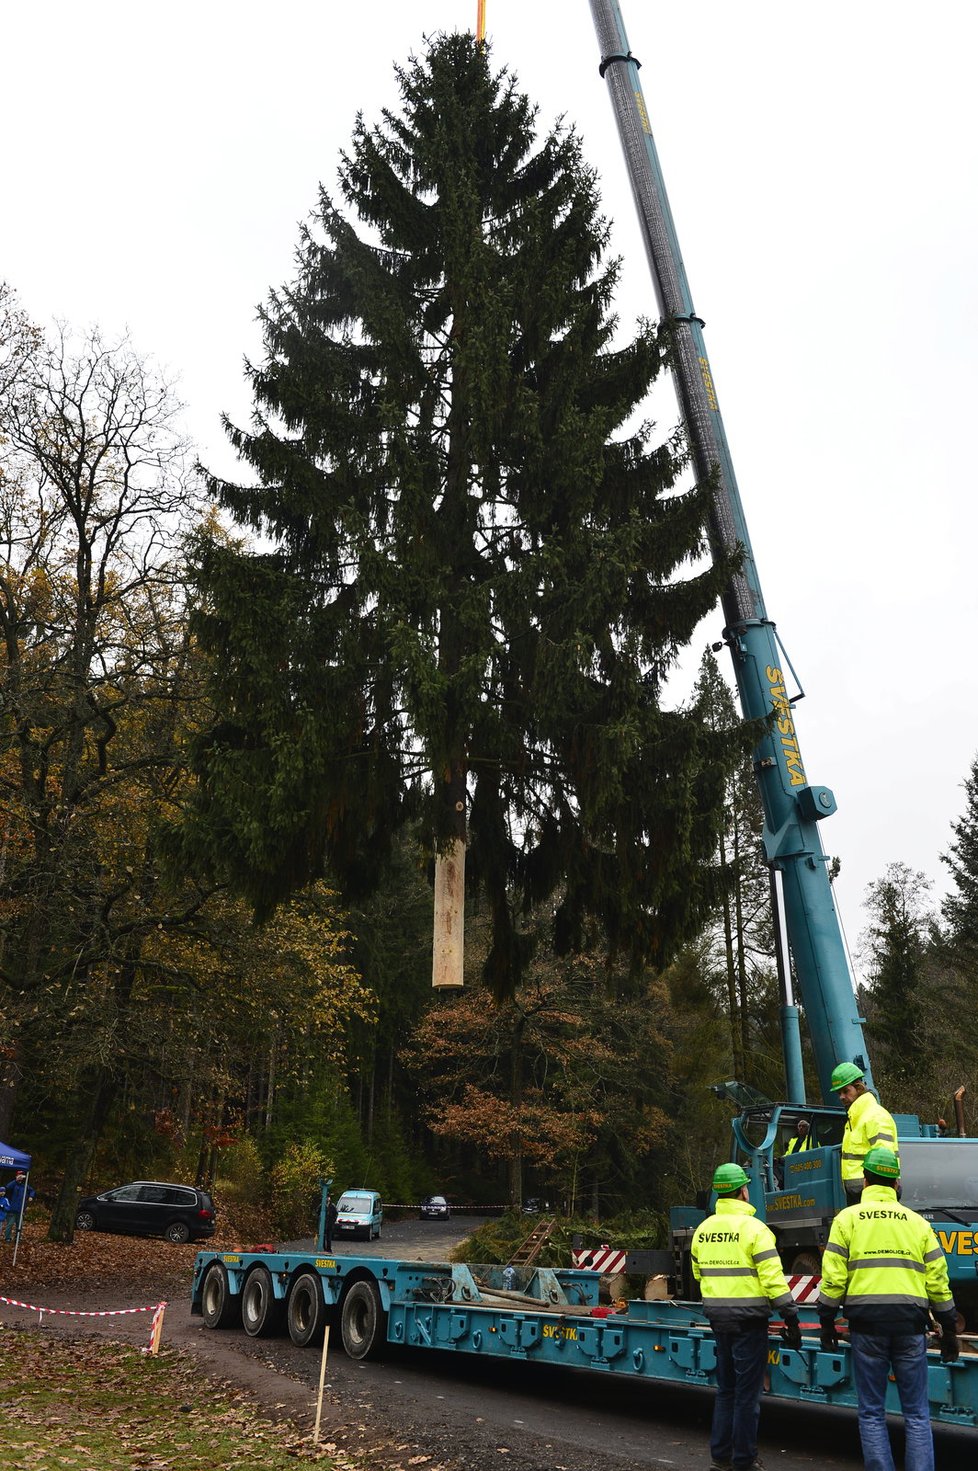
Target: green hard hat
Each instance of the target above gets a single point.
(729, 1178)
(845, 1073)
(882, 1161)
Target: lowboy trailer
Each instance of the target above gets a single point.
(549, 1316)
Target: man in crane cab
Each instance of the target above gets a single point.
(735, 1260)
(883, 1268)
(800, 1139)
(867, 1126)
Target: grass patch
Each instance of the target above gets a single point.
(69, 1401)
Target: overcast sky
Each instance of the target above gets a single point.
(822, 165)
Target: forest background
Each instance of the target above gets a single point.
(178, 1000)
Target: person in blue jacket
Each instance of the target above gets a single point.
(15, 1194)
(4, 1211)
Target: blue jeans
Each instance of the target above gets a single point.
(9, 1228)
(741, 1362)
(872, 1357)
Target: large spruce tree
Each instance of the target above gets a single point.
(476, 571)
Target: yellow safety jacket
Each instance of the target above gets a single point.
(796, 1145)
(883, 1266)
(867, 1124)
(735, 1261)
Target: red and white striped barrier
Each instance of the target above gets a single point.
(608, 1259)
(156, 1330)
(804, 1289)
(155, 1327)
(604, 1259)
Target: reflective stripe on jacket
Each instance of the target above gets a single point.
(735, 1261)
(867, 1124)
(882, 1261)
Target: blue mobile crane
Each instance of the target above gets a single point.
(793, 808)
(800, 1196)
(552, 1316)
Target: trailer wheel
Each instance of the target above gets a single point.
(307, 1310)
(805, 1264)
(364, 1322)
(260, 1312)
(219, 1307)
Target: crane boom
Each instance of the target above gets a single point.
(792, 807)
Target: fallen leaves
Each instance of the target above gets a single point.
(97, 1261)
(64, 1403)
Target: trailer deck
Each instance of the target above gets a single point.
(547, 1315)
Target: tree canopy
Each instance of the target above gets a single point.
(476, 567)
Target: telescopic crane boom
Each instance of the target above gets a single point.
(792, 806)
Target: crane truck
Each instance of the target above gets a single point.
(553, 1316)
(799, 1197)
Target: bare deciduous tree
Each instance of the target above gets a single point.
(94, 493)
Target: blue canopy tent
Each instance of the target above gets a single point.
(13, 1159)
(16, 1159)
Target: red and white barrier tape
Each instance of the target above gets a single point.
(156, 1308)
(413, 1205)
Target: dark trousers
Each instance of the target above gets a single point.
(741, 1361)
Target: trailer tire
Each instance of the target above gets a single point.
(261, 1313)
(306, 1315)
(363, 1323)
(219, 1307)
(805, 1264)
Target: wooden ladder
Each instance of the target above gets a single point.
(528, 1251)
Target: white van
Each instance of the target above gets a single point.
(359, 1213)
